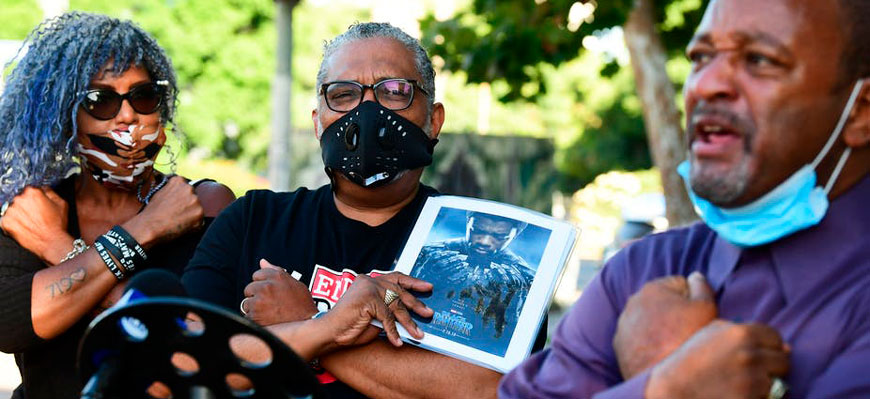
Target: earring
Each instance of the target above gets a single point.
(173, 165)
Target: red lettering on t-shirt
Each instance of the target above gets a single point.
(329, 285)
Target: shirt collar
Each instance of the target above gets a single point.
(800, 258)
(723, 260)
(809, 256)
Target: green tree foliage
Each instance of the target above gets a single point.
(19, 17)
(224, 54)
(213, 46)
(616, 142)
(517, 44)
(511, 40)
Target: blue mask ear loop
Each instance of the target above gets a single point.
(836, 135)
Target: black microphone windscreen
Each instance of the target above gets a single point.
(156, 282)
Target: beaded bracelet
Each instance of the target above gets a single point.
(110, 263)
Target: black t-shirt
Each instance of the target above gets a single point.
(301, 231)
(298, 231)
(48, 368)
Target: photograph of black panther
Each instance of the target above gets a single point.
(482, 267)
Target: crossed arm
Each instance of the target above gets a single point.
(346, 343)
(60, 295)
(665, 343)
(670, 328)
(383, 371)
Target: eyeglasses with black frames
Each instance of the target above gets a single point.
(394, 94)
(104, 104)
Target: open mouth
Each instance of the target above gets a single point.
(714, 136)
(480, 250)
(710, 131)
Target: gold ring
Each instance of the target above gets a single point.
(777, 389)
(390, 296)
(242, 306)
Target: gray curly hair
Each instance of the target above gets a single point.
(367, 30)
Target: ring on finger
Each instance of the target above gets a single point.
(3, 208)
(778, 389)
(390, 296)
(242, 306)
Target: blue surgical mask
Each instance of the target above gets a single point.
(795, 204)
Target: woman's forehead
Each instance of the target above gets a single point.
(107, 74)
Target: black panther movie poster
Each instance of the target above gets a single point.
(482, 267)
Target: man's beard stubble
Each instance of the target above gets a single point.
(721, 189)
(718, 188)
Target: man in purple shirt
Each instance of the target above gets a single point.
(778, 285)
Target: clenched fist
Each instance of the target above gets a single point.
(275, 297)
(37, 220)
(659, 318)
(172, 212)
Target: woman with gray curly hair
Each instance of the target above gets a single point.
(82, 119)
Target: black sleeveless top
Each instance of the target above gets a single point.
(48, 368)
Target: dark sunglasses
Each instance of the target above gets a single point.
(104, 104)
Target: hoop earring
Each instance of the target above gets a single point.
(173, 165)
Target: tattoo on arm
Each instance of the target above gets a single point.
(66, 283)
(177, 231)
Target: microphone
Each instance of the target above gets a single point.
(115, 362)
(146, 284)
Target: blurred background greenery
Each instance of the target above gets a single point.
(541, 97)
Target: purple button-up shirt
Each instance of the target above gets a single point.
(813, 287)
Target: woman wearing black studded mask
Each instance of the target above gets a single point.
(101, 91)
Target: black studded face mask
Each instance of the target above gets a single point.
(371, 145)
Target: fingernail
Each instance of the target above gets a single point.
(696, 275)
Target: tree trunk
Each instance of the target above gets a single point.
(279, 150)
(660, 113)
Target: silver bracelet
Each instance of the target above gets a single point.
(79, 247)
